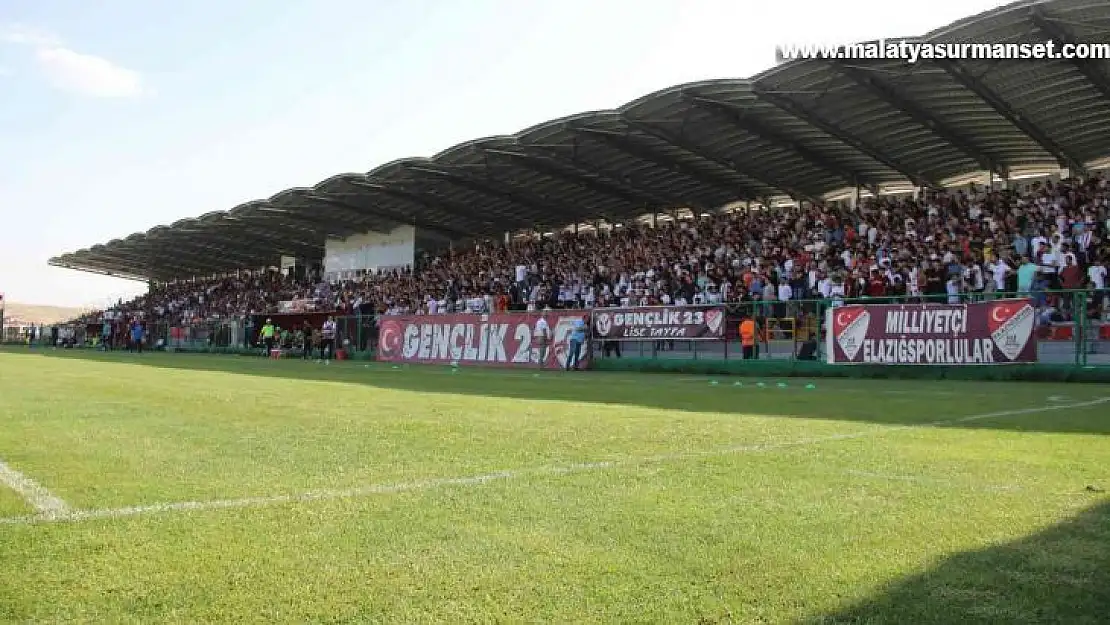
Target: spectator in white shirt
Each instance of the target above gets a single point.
(713, 296)
(1096, 273)
(954, 287)
(785, 292)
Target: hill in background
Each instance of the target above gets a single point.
(16, 313)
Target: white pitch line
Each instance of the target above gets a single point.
(45, 503)
(477, 480)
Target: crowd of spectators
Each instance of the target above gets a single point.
(1044, 237)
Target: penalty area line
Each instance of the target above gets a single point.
(66, 515)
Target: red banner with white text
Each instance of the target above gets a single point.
(982, 333)
(498, 340)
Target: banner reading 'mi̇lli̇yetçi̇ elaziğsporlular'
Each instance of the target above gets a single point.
(982, 333)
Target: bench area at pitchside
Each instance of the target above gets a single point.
(193, 488)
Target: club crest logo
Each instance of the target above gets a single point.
(603, 322)
(1011, 326)
(850, 328)
(713, 319)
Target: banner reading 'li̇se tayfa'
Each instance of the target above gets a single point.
(659, 322)
(984, 333)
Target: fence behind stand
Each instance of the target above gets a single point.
(1081, 342)
(1063, 338)
(357, 334)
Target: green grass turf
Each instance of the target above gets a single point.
(12, 504)
(982, 521)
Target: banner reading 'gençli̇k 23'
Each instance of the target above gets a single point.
(982, 333)
(497, 339)
(659, 322)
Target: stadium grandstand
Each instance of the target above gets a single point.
(773, 284)
(878, 178)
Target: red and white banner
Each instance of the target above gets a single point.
(295, 306)
(499, 339)
(660, 322)
(982, 333)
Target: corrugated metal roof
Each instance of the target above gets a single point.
(802, 129)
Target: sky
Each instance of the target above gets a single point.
(119, 116)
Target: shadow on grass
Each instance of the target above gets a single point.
(870, 401)
(1058, 575)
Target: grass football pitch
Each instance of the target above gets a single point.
(188, 488)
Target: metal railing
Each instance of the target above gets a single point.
(1077, 333)
(1073, 328)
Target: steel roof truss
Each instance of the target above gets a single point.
(962, 75)
(275, 242)
(431, 203)
(540, 209)
(86, 264)
(318, 216)
(118, 265)
(136, 260)
(198, 266)
(864, 77)
(755, 127)
(338, 201)
(390, 216)
(1054, 30)
(96, 268)
(297, 223)
(749, 170)
(278, 232)
(555, 168)
(811, 117)
(658, 194)
(622, 143)
(197, 249)
(346, 216)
